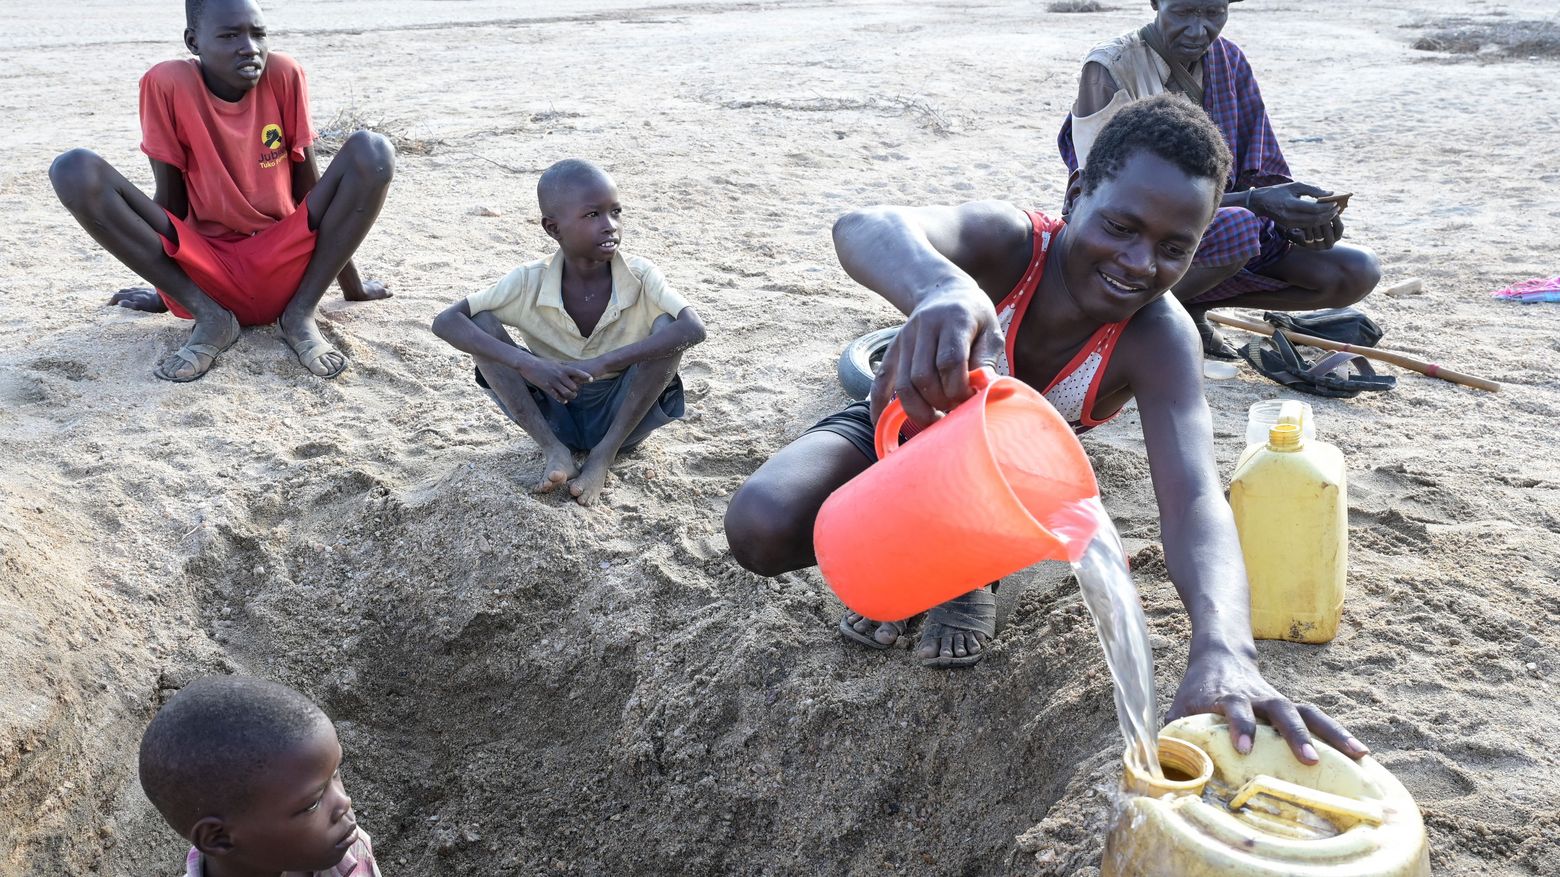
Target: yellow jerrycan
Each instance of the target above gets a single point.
(1290, 499)
(1222, 814)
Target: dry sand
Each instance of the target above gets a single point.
(523, 686)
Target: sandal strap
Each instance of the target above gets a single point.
(1293, 361)
(1338, 360)
(975, 611)
(1333, 370)
(189, 351)
(310, 353)
(315, 349)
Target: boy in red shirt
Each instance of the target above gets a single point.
(243, 229)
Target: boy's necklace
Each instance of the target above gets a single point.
(584, 291)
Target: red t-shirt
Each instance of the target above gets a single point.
(236, 157)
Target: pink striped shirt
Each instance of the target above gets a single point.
(358, 862)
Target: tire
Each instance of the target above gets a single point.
(861, 359)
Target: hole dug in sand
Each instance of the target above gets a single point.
(508, 703)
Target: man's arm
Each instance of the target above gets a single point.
(170, 193)
(943, 267)
(557, 379)
(1202, 548)
(1096, 88)
(305, 176)
(685, 330)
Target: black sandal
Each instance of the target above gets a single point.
(1214, 345)
(1338, 375)
(975, 612)
(866, 639)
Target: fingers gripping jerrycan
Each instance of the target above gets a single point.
(996, 485)
(1265, 814)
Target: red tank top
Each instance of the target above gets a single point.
(1072, 391)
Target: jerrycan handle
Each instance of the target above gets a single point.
(1351, 810)
(894, 417)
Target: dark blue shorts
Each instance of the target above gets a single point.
(581, 423)
(852, 423)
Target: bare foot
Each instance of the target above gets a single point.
(316, 354)
(557, 468)
(139, 298)
(587, 487)
(210, 337)
(372, 290)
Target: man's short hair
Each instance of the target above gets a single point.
(558, 180)
(1168, 126)
(202, 752)
(192, 11)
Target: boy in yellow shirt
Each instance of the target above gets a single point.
(602, 332)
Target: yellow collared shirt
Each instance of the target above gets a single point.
(529, 300)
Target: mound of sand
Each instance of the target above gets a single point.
(524, 686)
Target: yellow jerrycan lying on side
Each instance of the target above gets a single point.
(1221, 814)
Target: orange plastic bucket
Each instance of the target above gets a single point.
(993, 487)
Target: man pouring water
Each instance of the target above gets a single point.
(1076, 308)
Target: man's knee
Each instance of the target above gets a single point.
(78, 177)
(761, 532)
(372, 157)
(1358, 272)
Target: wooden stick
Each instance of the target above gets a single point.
(1398, 359)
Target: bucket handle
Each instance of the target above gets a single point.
(1349, 809)
(894, 417)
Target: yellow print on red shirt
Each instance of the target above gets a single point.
(271, 139)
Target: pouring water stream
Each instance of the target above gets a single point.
(1113, 602)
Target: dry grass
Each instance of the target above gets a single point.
(1077, 6)
(353, 118)
(550, 115)
(1505, 39)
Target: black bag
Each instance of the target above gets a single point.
(1343, 325)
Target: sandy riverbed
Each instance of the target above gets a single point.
(524, 686)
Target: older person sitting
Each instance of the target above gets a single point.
(1272, 244)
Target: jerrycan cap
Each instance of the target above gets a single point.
(1285, 437)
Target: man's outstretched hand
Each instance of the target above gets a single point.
(139, 298)
(1231, 686)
